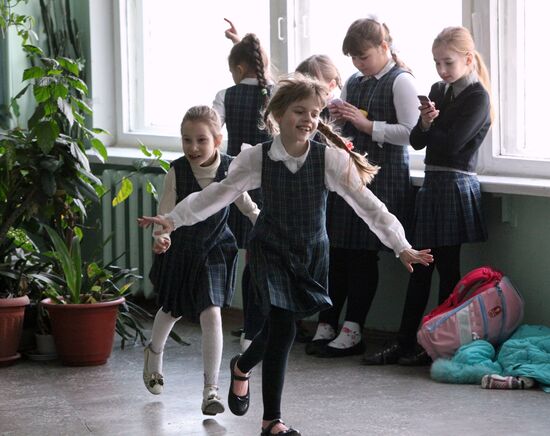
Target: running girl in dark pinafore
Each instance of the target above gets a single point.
(289, 244)
(194, 269)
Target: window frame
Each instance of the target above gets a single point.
(481, 16)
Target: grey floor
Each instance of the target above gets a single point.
(322, 397)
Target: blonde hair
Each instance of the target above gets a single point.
(248, 51)
(459, 39)
(321, 68)
(366, 33)
(203, 114)
(299, 87)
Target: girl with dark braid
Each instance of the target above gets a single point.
(289, 243)
(240, 107)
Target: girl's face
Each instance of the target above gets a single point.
(299, 121)
(199, 143)
(450, 64)
(372, 60)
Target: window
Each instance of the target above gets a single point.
(173, 55)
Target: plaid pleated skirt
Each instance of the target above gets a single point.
(188, 279)
(448, 210)
(294, 279)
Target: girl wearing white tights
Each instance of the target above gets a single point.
(194, 269)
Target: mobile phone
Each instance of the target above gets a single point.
(424, 100)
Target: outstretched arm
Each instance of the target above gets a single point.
(232, 33)
(409, 256)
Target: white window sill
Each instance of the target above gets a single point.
(494, 184)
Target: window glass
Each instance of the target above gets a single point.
(182, 61)
(413, 27)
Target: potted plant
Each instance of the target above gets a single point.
(83, 304)
(23, 273)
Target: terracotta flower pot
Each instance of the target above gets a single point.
(83, 333)
(12, 312)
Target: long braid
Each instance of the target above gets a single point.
(366, 170)
(259, 66)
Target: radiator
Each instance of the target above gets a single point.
(119, 223)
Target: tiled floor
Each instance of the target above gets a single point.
(322, 397)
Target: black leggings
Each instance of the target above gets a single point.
(272, 346)
(447, 262)
(253, 318)
(353, 274)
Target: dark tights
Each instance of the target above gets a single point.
(353, 274)
(447, 262)
(271, 346)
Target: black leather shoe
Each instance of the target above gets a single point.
(418, 358)
(314, 347)
(387, 356)
(290, 432)
(237, 405)
(354, 350)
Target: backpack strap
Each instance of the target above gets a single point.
(473, 283)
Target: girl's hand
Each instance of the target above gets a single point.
(349, 112)
(161, 245)
(166, 224)
(410, 256)
(428, 113)
(232, 33)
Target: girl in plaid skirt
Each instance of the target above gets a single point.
(448, 213)
(194, 269)
(289, 244)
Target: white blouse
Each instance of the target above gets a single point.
(205, 176)
(341, 176)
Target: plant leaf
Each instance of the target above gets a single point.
(125, 191)
(46, 134)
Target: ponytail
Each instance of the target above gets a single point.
(366, 170)
(484, 78)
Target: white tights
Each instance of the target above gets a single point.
(212, 341)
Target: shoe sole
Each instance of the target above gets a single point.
(213, 408)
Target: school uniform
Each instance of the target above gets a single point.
(448, 205)
(291, 223)
(448, 209)
(392, 184)
(239, 108)
(198, 270)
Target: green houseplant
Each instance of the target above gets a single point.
(83, 303)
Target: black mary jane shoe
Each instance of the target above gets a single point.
(314, 347)
(418, 358)
(387, 356)
(289, 432)
(354, 350)
(237, 405)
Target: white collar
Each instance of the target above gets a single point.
(278, 153)
(252, 81)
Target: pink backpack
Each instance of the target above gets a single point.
(483, 305)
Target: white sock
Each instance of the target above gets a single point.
(349, 336)
(324, 331)
(163, 324)
(212, 343)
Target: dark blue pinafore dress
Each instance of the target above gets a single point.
(392, 184)
(198, 270)
(242, 120)
(289, 244)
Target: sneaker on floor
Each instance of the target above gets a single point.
(495, 381)
(211, 402)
